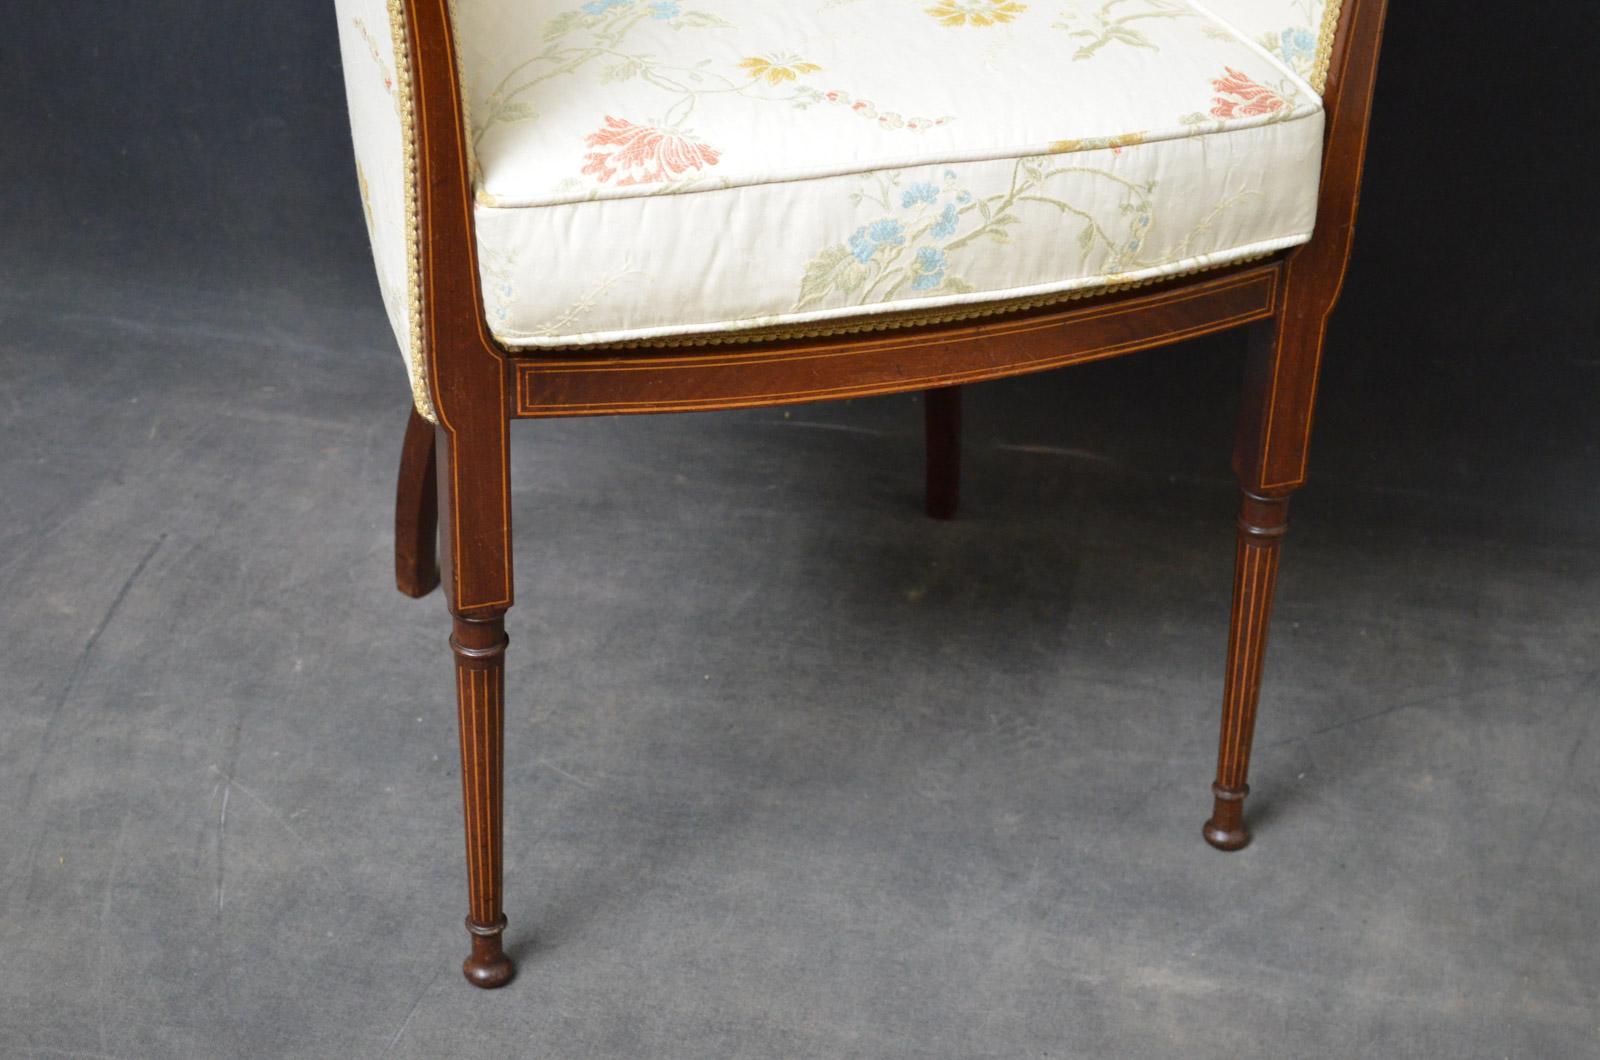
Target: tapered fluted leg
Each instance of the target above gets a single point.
(416, 512)
(1262, 521)
(943, 415)
(480, 645)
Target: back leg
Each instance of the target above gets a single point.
(416, 512)
(943, 411)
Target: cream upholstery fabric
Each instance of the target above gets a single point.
(655, 169)
(685, 170)
(376, 87)
(1298, 33)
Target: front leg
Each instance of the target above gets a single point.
(1269, 459)
(476, 564)
(480, 651)
(1262, 522)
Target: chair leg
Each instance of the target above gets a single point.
(475, 553)
(416, 512)
(480, 653)
(1262, 521)
(1269, 459)
(943, 420)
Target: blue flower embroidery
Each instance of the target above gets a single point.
(600, 7)
(1297, 44)
(929, 267)
(919, 193)
(665, 10)
(946, 225)
(865, 241)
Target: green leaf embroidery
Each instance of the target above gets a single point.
(515, 111)
(623, 71)
(700, 19)
(835, 269)
(1104, 28)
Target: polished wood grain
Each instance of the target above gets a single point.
(942, 425)
(893, 362)
(478, 388)
(480, 653)
(1314, 273)
(1273, 441)
(469, 375)
(416, 512)
(471, 382)
(1262, 521)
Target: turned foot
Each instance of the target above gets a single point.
(488, 966)
(1226, 830)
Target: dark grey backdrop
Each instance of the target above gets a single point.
(792, 771)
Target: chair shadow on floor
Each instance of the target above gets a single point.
(992, 593)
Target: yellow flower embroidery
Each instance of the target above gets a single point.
(975, 12)
(1097, 143)
(778, 68)
(366, 195)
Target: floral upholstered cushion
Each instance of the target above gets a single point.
(655, 169)
(684, 170)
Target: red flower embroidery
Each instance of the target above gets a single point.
(1250, 99)
(643, 153)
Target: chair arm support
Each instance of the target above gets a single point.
(1347, 101)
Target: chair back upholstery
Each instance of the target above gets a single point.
(378, 89)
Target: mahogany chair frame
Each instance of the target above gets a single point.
(460, 468)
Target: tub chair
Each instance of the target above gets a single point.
(620, 207)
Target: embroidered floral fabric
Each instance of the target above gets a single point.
(375, 89)
(1298, 33)
(663, 169)
(656, 169)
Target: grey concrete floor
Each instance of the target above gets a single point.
(792, 771)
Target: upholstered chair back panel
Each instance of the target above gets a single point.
(1299, 33)
(378, 91)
